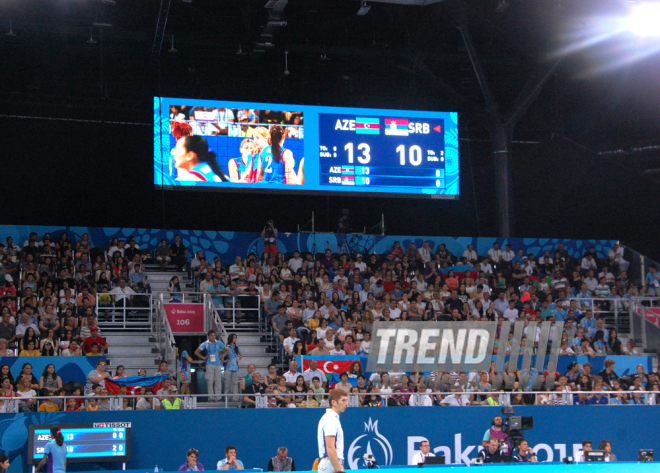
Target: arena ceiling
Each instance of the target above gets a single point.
(64, 56)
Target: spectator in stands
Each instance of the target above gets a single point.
(97, 376)
(171, 401)
(163, 255)
(608, 375)
(178, 253)
(73, 349)
(291, 375)
(26, 393)
(313, 372)
(146, 403)
(94, 338)
(7, 329)
(31, 349)
(50, 382)
(230, 462)
(123, 295)
(191, 462)
(254, 388)
(281, 462)
(24, 325)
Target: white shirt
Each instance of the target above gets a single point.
(295, 264)
(470, 255)
(395, 313)
(508, 255)
(366, 346)
(456, 400)
(486, 267)
(310, 374)
(511, 314)
(120, 293)
(291, 377)
(361, 265)
(290, 342)
(425, 254)
(329, 426)
(494, 254)
(419, 457)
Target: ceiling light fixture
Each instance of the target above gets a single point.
(240, 51)
(502, 6)
(172, 50)
(11, 30)
(364, 8)
(286, 63)
(644, 19)
(91, 39)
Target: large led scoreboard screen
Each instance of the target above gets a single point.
(99, 442)
(213, 145)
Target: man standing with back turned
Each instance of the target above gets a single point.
(331, 435)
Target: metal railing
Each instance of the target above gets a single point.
(429, 399)
(117, 315)
(164, 334)
(209, 308)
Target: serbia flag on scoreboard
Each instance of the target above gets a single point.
(396, 126)
(134, 383)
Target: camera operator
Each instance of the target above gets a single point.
(496, 432)
(344, 223)
(488, 454)
(523, 453)
(270, 238)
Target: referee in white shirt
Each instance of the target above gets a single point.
(423, 454)
(331, 435)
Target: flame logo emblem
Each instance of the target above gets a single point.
(374, 440)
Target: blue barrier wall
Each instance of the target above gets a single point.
(69, 368)
(226, 245)
(392, 434)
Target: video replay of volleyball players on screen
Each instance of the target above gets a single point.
(243, 146)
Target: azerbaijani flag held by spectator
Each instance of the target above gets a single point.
(334, 379)
(330, 364)
(134, 383)
(367, 126)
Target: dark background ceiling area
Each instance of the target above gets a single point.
(575, 170)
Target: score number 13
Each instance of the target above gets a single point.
(364, 158)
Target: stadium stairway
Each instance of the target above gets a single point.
(133, 351)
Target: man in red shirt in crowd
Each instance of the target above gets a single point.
(87, 344)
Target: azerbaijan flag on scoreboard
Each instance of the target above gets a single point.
(367, 126)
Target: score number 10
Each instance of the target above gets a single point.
(414, 154)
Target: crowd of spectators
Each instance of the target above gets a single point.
(323, 305)
(26, 392)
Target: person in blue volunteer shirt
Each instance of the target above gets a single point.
(653, 282)
(213, 352)
(54, 453)
(234, 357)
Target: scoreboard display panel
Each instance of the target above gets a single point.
(99, 442)
(259, 147)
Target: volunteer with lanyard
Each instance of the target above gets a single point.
(213, 352)
(234, 357)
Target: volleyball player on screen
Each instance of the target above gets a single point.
(261, 138)
(277, 162)
(241, 169)
(194, 161)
